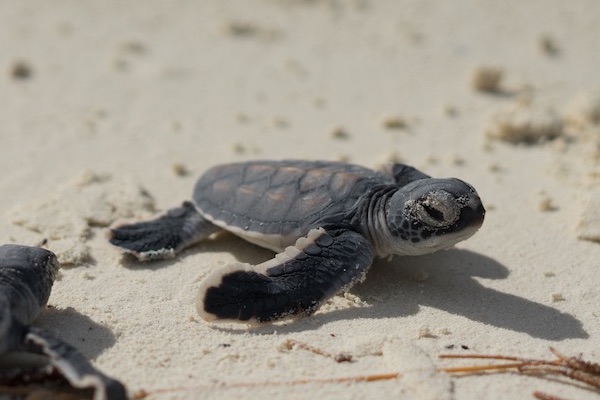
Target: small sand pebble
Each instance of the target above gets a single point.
(545, 203)
(238, 148)
(241, 29)
(394, 123)
(549, 274)
(21, 70)
(425, 332)
(343, 357)
(486, 79)
(556, 297)
(246, 30)
(450, 111)
(548, 45)
(242, 118)
(495, 168)
(490, 207)
(525, 124)
(340, 133)
(88, 276)
(134, 47)
(180, 169)
(458, 161)
(280, 122)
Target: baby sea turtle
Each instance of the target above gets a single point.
(26, 278)
(326, 220)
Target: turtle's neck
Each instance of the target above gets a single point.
(369, 218)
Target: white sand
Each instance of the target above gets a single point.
(125, 92)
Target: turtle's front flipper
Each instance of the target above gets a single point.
(73, 365)
(164, 236)
(295, 281)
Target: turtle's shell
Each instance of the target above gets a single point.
(272, 203)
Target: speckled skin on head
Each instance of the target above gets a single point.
(326, 220)
(26, 278)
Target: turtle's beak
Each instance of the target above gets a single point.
(473, 212)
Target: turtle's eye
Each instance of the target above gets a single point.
(433, 213)
(437, 209)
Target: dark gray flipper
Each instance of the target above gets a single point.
(73, 365)
(297, 280)
(404, 174)
(164, 236)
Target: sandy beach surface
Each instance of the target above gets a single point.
(111, 110)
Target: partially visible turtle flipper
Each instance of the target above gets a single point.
(164, 236)
(73, 365)
(296, 281)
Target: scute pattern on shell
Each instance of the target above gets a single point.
(281, 197)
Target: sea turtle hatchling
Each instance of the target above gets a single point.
(26, 278)
(326, 220)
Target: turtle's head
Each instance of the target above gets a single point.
(432, 214)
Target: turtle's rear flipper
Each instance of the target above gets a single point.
(295, 281)
(73, 365)
(164, 236)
